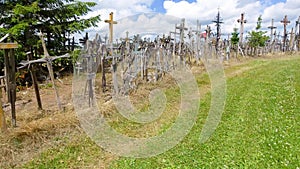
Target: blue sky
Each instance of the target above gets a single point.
(202, 10)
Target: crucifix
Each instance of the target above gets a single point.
(242, 21)
(111, 22)
(272, 27)
(218, 22)
(285, 21)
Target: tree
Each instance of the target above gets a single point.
(235, 39)
(257, 38)
(58, 19)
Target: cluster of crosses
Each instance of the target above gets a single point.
(134, 57)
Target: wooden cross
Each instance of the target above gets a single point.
(242, 21)
(174, 44)
(298, 25)
(285, 21)
(182, 28)
(111, 22)
(197, 33)
(291, 39)
(298, 36)
(272, 27)
(198, 30)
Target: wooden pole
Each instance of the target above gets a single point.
(9, 60)
(34, 81)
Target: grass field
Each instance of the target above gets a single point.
(260, 126)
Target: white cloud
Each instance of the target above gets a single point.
(203, 10)
(230, 10)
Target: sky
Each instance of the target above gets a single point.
(137, 16)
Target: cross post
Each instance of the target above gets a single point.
(272, 27)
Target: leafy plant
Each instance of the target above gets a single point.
(258, 38)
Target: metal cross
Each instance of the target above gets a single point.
(111, 22)
(242, 21)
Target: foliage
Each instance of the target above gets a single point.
(235, 37)
(57, 19)
(258, 38)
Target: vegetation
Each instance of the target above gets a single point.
(259, 127)
(235, 39)
(59, 19)
(258, 38)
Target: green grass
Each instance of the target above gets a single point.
(260, 126)
(77, 153)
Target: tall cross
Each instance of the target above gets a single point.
(272, 27)
(285, 21)
(242, 21)
(111, 22)
(291, 39)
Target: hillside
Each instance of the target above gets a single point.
(259, 126)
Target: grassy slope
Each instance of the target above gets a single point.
(259, 128)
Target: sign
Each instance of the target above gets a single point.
(8, 45)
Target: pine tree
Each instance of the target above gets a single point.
(57, 18)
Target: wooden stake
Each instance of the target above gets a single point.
(3, 126)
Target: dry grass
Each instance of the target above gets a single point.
(38, 131)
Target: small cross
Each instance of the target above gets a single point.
(111, 22)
